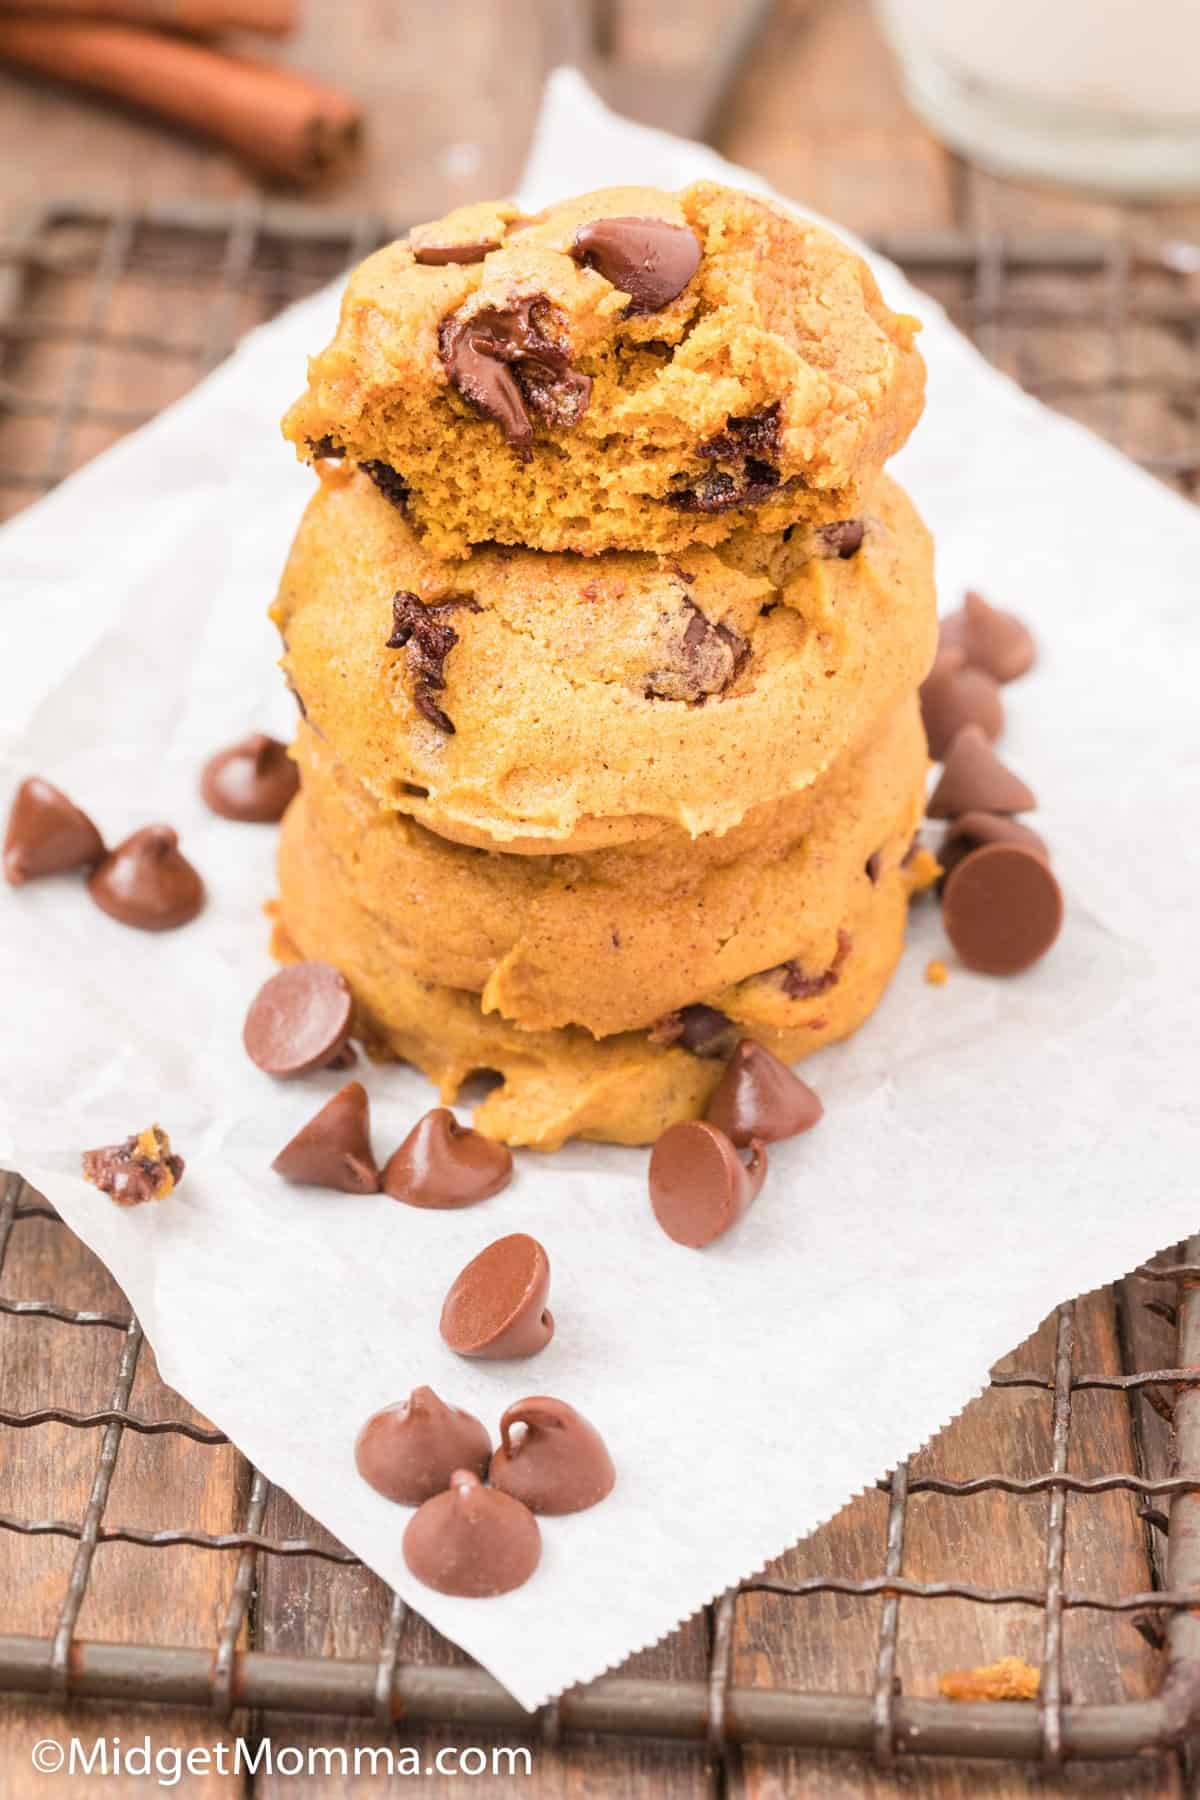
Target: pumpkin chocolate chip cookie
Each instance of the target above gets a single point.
(631, 369)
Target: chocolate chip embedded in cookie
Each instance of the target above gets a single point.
(649, 259)
(504, 361)
(143, 1168)
(709, 659)
(423, 631)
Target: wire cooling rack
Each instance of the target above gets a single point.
(106, 316)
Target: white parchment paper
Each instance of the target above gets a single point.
(989, 1147)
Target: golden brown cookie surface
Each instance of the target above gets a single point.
(501, 384)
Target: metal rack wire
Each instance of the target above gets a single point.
(83, 289)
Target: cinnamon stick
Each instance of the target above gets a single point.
(271, 18)
(283, 123)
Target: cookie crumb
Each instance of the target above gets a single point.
(936, 973)
(1012, 1678)
(142, 1168)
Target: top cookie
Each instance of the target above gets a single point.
(629, 370)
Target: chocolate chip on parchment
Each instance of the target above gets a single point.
(442, 1164)
(502, 361)
(147, 882)
(252, 781)
(391, 485)
(496, 1306)
(143, 1168)
(953, 695)
(972, 829)
(1002, 908)
(47, 834)
(699, 1185)
(557, 1463)
(995, 641)
(299, 1020)
(709, 658)
(975, 780)
(472, 1541)
(759, 1097)
(423, 630)
(334, 1149)
(651, 260)
(409, 1452)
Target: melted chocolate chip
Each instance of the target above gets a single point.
(47, 834)
(710, 658)
(252, 781)
(146, 882)
(798, 985)
(437, 256)
(501, 360)
(842, 539)
(142, 1168)
(391, 485)
(423, 631)
(649, 259)
(756, 435)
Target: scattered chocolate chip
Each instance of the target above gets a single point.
(142, 1168)
(699, 1185)
(334, 1149)
(873, 868)
(325, 449)
(472, 1540)
(252, 781)
(709, 658)
(502, 362)
(1002, 908)
(496, 1306)
(391, 485)
(973, 829)
(147, 882)
(759, 1097)
(47, 834)
(423, 631)
(843, 539)
(436, 256)
(995, 641)
(798, 985)
(558, 1464)
(409, 1452)
(954, 695)
(703, 1030)
(299, 1020)
(975, 780)
(442, 1164)
(648, 259)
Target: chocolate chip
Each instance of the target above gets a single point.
(142, 1168)
(873, 867)
(759, 1097)
(975, 780)
(334, 1149)
(502, 362)
(972, 829)
(442, 1164)
(299, 1020)
(146, 882)
(252, 781)
(995, 641)
(843, 539)
(496, 1306)
(699, 1185)
(721, 493)
(423, 631)
(1002, 908)
(325, 449)
(410, 1451)
(472, 1540)
(47, 834)
(755, 435)
(954, 695)
(798, 985)
(437, 256)
(751, 444)
(559, 1463)
(392, 486)
(710, 657)
(648, 259)
(703, 1030)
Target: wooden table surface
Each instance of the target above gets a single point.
(450, 90)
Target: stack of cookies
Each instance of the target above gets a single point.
(607, 631)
